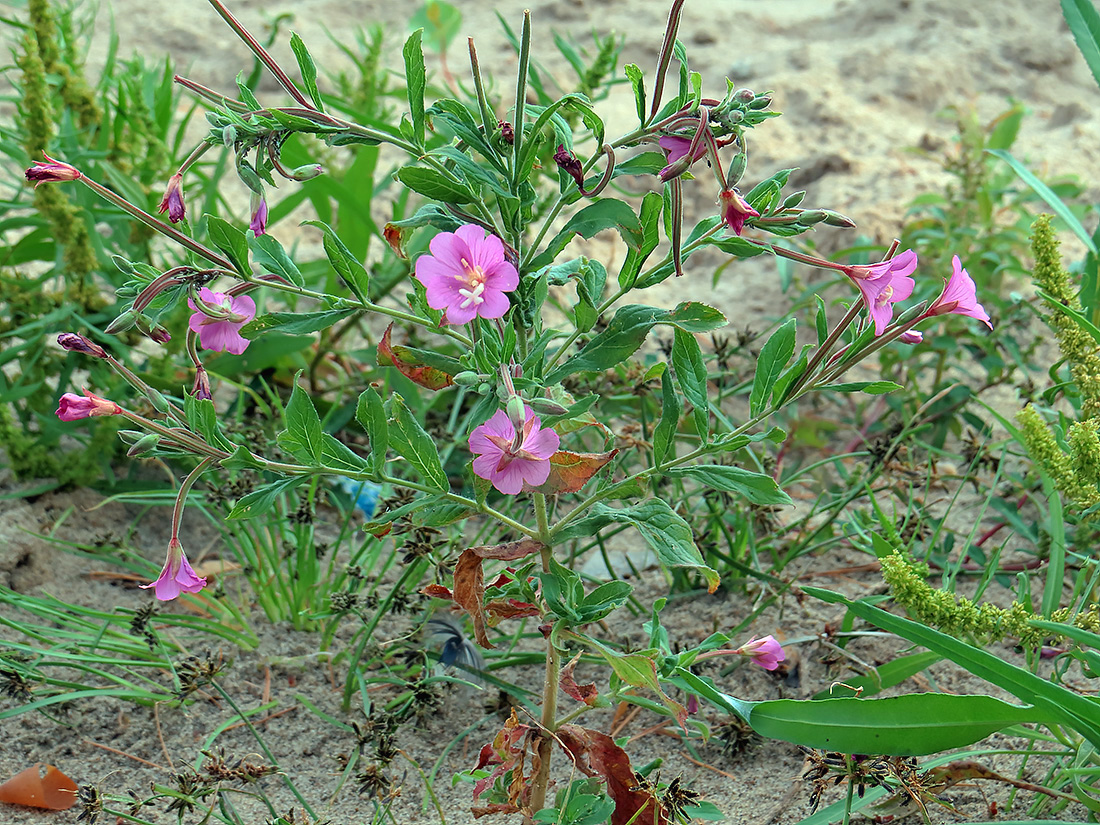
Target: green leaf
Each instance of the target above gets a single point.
(869, 387)
(337, 455)
(665, 431)
(629, 328)
(604, 599)
(433, 184)
(409, 440)
(1062, 704)
(637, 83)
(347, 266)
(756, 487)
(441, 23)
(230, 240)
(1084, 24)
(650, 218)
(415, 80)
(372, 417)
(596, 217)
(884, 676)
(308, 69)
(262, 499)
(295, 323)
(302, 436)
(691, 372)
(1047, 194)
(774, 356)
(202, 418)
(270, 255)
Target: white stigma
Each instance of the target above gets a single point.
(472, 296)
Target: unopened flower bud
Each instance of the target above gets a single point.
(159, 402)
(517, 411)
(249, 177)
(736, 170)
(544, 406)
(159, 335)
(307, 172)
(229, 136)
(911, 336)
(744, 95)
(147, 443)
(484, 388)
(122, 323)
(793, 200)
(201, 389)
(762, 102)
(568, 162)
(468, 378)
(836, 219)
(258, 224)
(811, 217)
(78, 343)
(124, 266)
(507, 133)
(172, 203)
(735, 209)
(52, 171)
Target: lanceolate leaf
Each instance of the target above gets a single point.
(408, 439)
(774, 356)
(756, 487)
(691, 372)
(372, 416)
(409, 365)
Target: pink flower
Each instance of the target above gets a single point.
(766, 652)
(258, 225)
(222, 334)
(911, 336)
(72, 407)
(509, 461)
(467, 275)
(884, 284)
(172, 203)
(176, 576)
(51, 172)
(959, 296)
(677, 148)
(735, 210)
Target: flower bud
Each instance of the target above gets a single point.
(544, 406)
(159, 402)
(159, 335)
(122, 323)
(568, 162)
(307, 172)
(736, 170)
(517, 412)
(793, 200)
(78, 343)
(52, 171)
(507, 133)
(744, 95)
(249, 177)
(811, 217)
(911, 336)
(484, 388)
(735, 209)
(258, 224)
(229, 136)
(172, 203)
(124, 266)
(762, 102)
(201, 388)
(146, 444)
(468, 378)
(836, 219)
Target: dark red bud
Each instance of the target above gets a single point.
(568, 161)
(507, 133)
(78, 343)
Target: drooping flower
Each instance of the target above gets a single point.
(884, 284)
(222, 334)
(467, 275)
(258, 224)
(959, 296)
(508, 460)
(52, 171)
(172, 203)
(735, 209)
(567, 161)
(72, 407)
(176, 576)
(675, 149)
(201, 388)
(911, 336)
(766, 652)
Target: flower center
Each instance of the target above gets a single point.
(474, 278)
(884, 297)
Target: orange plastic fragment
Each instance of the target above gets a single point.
(54, 791)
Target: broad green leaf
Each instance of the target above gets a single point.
(337, 455)
(650, 218)
(229, 239)
(302, 436)
(664, 433)
(415, 80)
(774, 356)
(594, 218)
(628, 330)
(308, 69)
(347, 266)
(202, 418)
(269, 254)
(691, 372)
(756, 487)
(435, 185)
(409, 440)
(261, 500)
(1063, 705)
(295, 323)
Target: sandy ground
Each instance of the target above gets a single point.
(860, 84)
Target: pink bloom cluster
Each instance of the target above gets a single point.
(467, 275)
(222, 334)
(509, 460)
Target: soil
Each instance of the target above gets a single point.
(860, 85)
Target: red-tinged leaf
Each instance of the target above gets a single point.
(437, 591)
(570, 471)
(495, 808)
(379, 531)
(582, 693)
(511, 609)
(469, 578)
(409, 365)
(52, 792)
(596, 754)
(507, 752)
(395, 237)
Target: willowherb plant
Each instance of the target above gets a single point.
(534, 467)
